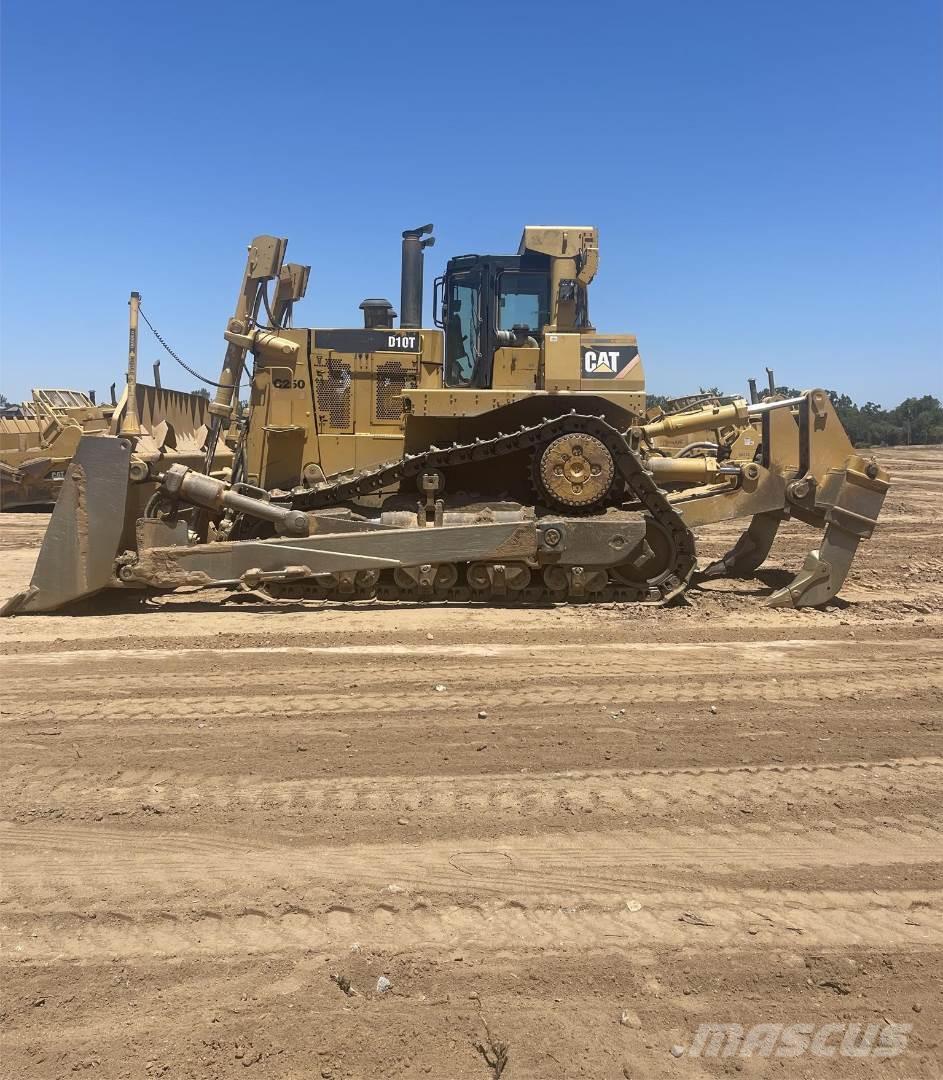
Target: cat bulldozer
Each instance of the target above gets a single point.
(504, 454)
(37, 446)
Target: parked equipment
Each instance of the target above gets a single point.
(40, 440)
(505, 454)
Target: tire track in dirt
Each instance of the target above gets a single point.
(607, 688)
(86, 862)
(714, 919)
(758, 790)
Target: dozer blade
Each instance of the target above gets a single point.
(78, 552)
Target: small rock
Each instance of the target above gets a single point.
(36, 1002)
(633, 905)
(714, 709)
(402, 821)
(428, 637)
(383, 984)
(677, 1051)
(301, 749)
(482, 715)
(439, 687)
(630, 1019)
(917, 1007)
(326, 1074)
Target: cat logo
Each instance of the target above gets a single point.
(604, 362)
(607, 359)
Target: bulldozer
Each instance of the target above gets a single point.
(502, 455)
(37, 444)
(40, 440)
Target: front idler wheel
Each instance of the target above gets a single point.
(650, 562)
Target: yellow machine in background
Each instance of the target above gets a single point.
(37, 446)
(504, 453)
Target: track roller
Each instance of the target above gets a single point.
(426, 580)
(498, 579)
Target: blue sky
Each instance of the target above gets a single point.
(767, 178)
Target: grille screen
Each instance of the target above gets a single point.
(392, 380)
(333, 389)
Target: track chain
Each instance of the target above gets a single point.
(639, 484)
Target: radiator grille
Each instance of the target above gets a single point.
(333, 390)
(392, 380)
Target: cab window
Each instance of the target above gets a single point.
(523, 300)
(462, 343)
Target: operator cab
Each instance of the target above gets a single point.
(485, 301)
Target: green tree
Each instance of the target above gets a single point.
(921, 419)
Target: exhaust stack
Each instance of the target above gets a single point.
(411, 276)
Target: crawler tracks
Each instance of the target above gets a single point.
(207, 813)
(660, 577)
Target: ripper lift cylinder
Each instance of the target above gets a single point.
(710, 416)
(690, 470)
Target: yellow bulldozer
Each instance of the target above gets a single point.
(37, 445)
(503, 454)
(38, 440)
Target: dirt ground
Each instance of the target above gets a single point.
(577, 832)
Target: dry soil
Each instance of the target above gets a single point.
(578, 832)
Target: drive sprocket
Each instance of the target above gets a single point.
(575, 471)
